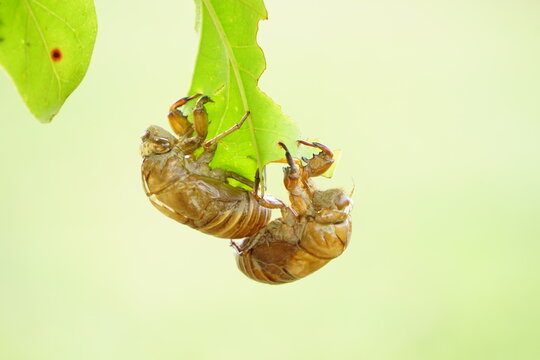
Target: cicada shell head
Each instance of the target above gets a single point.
(156, 140)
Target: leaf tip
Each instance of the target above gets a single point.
(45, 116)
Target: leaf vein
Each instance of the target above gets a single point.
(227, 95)
(46, 45)
(262, 15)
(248, 72)
(56, 16)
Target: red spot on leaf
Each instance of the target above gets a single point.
(56, 54)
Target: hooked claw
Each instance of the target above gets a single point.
(320, 162)
(183, 101)
(317, 145)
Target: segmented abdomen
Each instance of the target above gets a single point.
(246, 218)
(277, 255)
(209, 205)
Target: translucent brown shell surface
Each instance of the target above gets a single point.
(281, 252)
(201, 202)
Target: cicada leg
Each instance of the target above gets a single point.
(189, 143)
(270, 202)
(210, 147)
(239, 178)
(213, 142)
(236, 248)
(177, 120)
(267, 201)
(183, 101)
(299, 194)
(200, 120)
(320, 162)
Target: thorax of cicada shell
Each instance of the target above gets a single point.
(196, 166)
(162, 170)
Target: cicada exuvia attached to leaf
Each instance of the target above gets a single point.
(315, 229)
(182, 185)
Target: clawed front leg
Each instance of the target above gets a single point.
(320, 162)
(299, 193)
(200, 119)
(178, 121)
(189, 143)
(184, 129)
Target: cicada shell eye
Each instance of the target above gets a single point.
(156, 140)
(162, 145)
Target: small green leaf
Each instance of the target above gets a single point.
(228, 67)
(46, 45)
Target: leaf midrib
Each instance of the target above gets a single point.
(236, 69)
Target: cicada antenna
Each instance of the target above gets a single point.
(353, 188)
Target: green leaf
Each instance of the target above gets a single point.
(46, 45)
(229, 64)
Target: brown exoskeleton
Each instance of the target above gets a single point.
(315, 230)
(185, 188)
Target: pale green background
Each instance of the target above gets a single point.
(436, 106)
